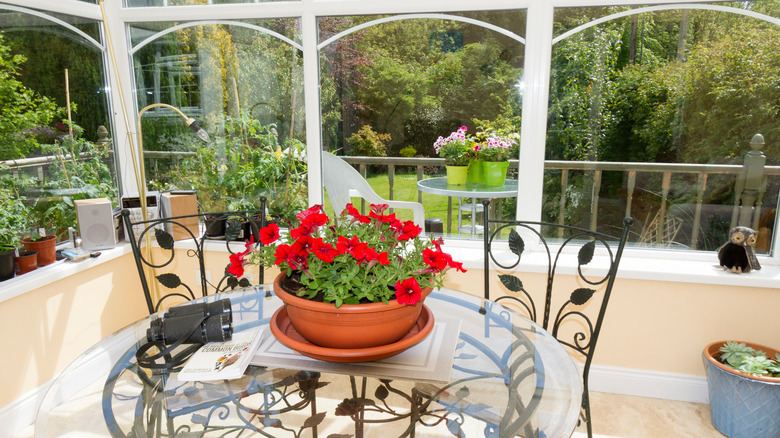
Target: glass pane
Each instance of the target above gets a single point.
(652, 115)
(245, 87)
(395, 85)
(55, 127)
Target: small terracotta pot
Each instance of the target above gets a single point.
(26, 261)
(46, 249)
(351, 325)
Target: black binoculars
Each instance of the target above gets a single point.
(212, 322)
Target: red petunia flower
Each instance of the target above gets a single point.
(409, 230)
(436, 259)
(236, 265)
(352, 211)
(313, 216)
(323, 251)
(304, 230)
(408, 291)
(269, 234)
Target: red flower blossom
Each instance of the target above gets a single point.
(436, 259)
(388, 219)
(352, 211)
(313, 216)
(236, 265)
(304, 230)
(409, 230)
(408, 292)
(269, 234)
(323, 251)
(352, 246)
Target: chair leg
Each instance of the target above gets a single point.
(586, 409)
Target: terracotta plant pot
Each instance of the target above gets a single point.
(26, 261)
(456, 175)
(351, 325)
(46, 249)
(742, 405)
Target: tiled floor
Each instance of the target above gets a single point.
(620, 416)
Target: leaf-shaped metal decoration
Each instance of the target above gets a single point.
(462, 393)
(232, 282)
(164, 239)
(233, 229)
(244, 282)
(586, 253)
(169, 280)
(581, 295)
(511, 282)
(314, 420)
(272, 422)
(381, 392)
(516, 243)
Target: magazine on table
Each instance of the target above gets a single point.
(222, 360)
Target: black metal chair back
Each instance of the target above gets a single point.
(192, 231)
(580, 333)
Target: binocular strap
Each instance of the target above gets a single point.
(171, 361)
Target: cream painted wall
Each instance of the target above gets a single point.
(664, 326)
(43, 330)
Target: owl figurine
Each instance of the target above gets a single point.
(738, 255)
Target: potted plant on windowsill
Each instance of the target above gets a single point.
(744, 387)
(332, 272)
(13, 223)
(457, 150)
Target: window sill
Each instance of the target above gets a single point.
(682, 267)
(56, 271)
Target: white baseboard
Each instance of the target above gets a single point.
(653, 384)
(22, 412)
(641, 383)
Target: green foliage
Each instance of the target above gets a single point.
(368, 143)
(408, 152)
(748, 360)
(23, 108)
(14, 213)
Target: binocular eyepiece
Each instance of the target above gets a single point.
(215, 323)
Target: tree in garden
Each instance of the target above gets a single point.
(23, 109)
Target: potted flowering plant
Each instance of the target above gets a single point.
(495, 152)
(743, 379)
(357, 262)
(457, 149)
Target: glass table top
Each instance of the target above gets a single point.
(439, 186)
(509, 378)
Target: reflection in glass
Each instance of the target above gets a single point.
(390, 86)
(243, 84)
(54, 106)
(667, 87)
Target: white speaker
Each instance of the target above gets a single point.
(96, 223)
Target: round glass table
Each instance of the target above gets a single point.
(508, 378)
(439, 186)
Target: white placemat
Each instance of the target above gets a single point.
(430, 360)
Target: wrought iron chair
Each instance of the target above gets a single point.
(571, 322)
(166, 274)
(341, 180)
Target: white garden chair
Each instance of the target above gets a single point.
(343, 182)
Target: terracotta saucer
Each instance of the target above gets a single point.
(287, 335)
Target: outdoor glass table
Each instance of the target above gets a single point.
(509, 378)
(439, 186)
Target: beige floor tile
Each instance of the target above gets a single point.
(640, 417)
